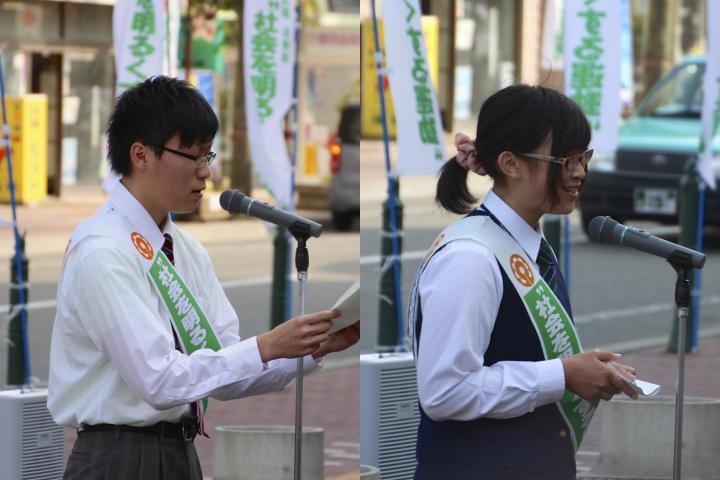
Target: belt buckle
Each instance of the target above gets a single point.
(189, 431)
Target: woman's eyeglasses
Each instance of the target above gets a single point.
(570, 162)
(200, 161)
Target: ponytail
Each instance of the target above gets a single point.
(452, 191)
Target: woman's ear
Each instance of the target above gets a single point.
(509, 165)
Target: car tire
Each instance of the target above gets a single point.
(343, 220)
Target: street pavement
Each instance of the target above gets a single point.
(241, 252)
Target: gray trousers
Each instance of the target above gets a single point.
(121, 455)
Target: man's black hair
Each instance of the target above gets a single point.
(154, 111)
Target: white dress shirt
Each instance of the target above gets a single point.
(460, 292)
(113, 357)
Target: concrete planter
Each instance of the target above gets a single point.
(637, 439)
(369, 473)
(266, 453)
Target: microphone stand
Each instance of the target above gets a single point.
(681, 264)
(301, 232)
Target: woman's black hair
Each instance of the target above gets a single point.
(154, 111)
(516, 119)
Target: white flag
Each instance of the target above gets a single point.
(139, 40)
(269, 53)
(421, 148)
(592, 65)
(711, 99)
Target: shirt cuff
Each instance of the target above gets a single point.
(243, 359)
(551, 381)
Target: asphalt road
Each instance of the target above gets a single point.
(245, 271)
(622, 299)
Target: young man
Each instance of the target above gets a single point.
(144, 332)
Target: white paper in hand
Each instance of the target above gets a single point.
(643, 388)
(349, 306)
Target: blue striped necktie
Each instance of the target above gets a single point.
(548, 263)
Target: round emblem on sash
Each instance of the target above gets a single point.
(521, 270)
(143, 246)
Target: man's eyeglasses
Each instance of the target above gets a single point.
(570, 162)
(200, 161)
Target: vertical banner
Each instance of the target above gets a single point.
(421, 147)
(172, 47)
(711, 97)
(592, 65)
(139, 41)
(139, 34)
(552, 38)
(269, 53)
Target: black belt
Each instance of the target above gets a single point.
(185, 431)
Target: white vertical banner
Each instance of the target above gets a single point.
(139, 41)
(711, 97)
(592, 65)
(421, 146)
(552, 48)
(172, 45)
(269, 53)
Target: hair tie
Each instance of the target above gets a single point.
(466, 155)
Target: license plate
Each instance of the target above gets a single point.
(656, 200)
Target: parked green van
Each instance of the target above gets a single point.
(640, 181)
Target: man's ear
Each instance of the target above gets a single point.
(509, 164)
(138, 156)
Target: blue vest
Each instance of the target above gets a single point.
(534, 446)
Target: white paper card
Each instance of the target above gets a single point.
(349, 306)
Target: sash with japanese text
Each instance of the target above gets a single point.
(556, 332)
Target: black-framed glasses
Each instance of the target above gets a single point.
(570, 162)
(200, 161)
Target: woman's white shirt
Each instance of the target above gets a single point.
(460, 293)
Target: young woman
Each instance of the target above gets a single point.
(505, 390)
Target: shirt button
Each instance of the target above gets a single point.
(247, 370)
(563, 433)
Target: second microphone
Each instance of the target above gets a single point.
(236, 202)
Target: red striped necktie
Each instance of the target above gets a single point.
(167, 249)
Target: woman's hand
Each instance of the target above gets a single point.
(588, 375)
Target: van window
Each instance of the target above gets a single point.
(679, 95)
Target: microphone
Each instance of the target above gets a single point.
(607, 230)
(236, 202)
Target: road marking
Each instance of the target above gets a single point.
(226, 284)
(375, 259)
(632, 311)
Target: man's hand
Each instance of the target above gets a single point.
(588, 376)
(297, 337)
(340, 340)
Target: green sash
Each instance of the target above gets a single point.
(552, 324)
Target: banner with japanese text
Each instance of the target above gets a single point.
(421, 148)
(139, 41)
(711, 97)
(592, 65)
(269, 54)
(142, 47)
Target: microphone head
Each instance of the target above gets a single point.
(230, 200)
(600, 229)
